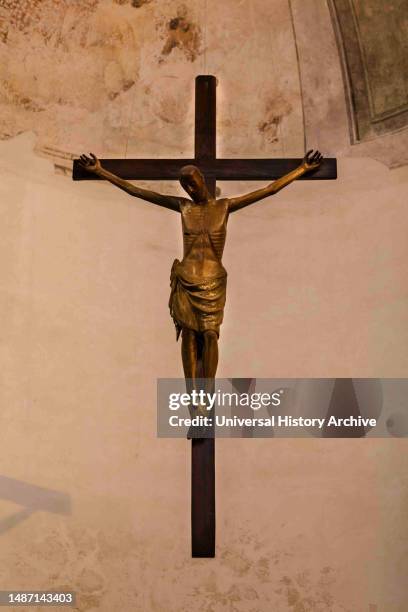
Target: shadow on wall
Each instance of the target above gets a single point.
(33, 499)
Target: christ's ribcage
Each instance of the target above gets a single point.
(204, 239)
(217, 239)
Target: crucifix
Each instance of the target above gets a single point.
(198, 282)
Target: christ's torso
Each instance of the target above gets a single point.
(204, 233)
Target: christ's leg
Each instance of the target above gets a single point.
(210, 362)
(189, 353)
(210, 354)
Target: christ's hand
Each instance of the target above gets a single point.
(92, 163)
(311, 160)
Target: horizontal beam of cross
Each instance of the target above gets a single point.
(220, 169)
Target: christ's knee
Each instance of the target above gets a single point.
(188, 336)
(210, 338)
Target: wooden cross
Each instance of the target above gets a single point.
(205, 157)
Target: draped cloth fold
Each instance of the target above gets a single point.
(197, 303)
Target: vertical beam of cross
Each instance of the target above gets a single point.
(205, 143)
(203, 450)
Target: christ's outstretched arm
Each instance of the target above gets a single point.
(311, 161)
(92, 164)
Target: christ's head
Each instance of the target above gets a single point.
(193, 182)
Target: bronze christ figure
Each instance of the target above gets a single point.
(198, 281)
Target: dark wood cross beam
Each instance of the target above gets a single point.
(205, 154)
(205, 157)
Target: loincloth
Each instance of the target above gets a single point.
(198, 303)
